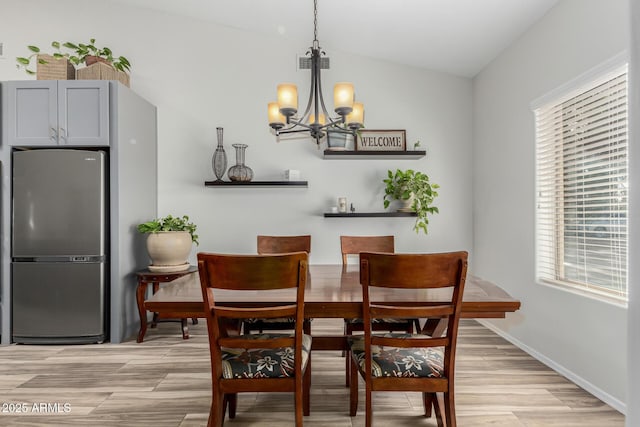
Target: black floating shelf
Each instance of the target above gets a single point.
(350, 154)
(298, 184)
(368, 214)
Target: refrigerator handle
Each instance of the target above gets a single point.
(53, 134)
(63, 134)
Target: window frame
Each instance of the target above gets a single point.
(572, 89)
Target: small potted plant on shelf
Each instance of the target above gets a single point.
(415, 192)
(169, 242)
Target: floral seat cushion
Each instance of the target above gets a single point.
(263, 363)
(271, 320)
(400, 362)
(390, 320)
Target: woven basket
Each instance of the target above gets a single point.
(102, 71)
(55, 69)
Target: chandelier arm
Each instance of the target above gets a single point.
(319, 89)
(305, 115)
(294, 124)
(291, 130)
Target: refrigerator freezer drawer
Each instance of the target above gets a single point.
(58, 302)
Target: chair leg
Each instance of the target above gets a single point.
(299, 401)
(233, 404)
(427, 402)
(353, 388)
(347, 368)
(348, 330)
(437, 408)
(368, 416)
(450, 409)
(306, 397)
(216, 414)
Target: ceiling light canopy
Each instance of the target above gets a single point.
(349, 115)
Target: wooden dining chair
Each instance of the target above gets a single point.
(279, 245)
(255, 362)
(409, 362)
(353, 245)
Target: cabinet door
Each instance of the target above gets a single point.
(83, 112)
(31, 117)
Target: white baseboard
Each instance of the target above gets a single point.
(597, 392)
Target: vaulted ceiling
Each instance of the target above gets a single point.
(453, 36)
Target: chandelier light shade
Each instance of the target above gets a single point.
(288, 99)
(355, 119)
(276, 119)
(343, 98)
(283, 114)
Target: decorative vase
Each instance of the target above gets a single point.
(338, 141)
(405, 205)
(240, 172)
(169, 250)
(219, 159)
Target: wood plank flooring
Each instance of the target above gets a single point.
(165, 381)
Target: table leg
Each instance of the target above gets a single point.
(434, 327)
(141, 292)
(185, 328)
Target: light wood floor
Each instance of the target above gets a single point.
(164, 381)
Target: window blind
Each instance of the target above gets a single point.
(582, 187)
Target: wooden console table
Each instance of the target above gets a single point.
(146, 277)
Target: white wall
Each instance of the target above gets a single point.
(201, 76)
(582, 337)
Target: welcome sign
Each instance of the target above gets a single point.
(381, 140)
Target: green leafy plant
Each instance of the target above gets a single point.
(170, 223)
(77, 55)
(82, 51)
(25, 62)
(404, 185)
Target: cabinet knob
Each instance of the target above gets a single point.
(53, 134)
(63, 134)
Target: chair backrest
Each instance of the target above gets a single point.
(252, 274)
(353, 245)
(284, 244)
(414, 271)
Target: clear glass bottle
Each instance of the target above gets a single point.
(219, 159)
(240, 172)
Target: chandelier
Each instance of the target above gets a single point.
(315, 119)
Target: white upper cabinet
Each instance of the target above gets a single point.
(57, 112)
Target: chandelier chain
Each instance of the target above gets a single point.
(315, 20)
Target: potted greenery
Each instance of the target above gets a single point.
(90, 54)
(169, 242)
(415, 191)
(80, 53)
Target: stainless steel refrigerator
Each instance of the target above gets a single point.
(59, 246)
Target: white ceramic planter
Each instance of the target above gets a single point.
(169, 250)
(405, 205)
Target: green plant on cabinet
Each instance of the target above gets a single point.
(78, 54)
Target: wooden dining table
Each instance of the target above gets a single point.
(333, 291)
